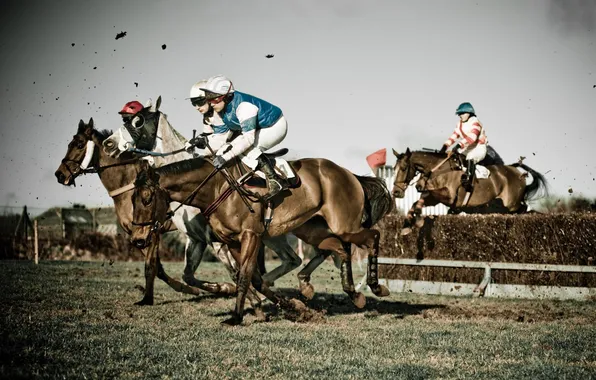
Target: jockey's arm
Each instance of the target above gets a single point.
(247, 116)
(454, 136)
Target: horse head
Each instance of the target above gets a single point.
(139, 131)
(80, 153)
(404, 173)
(150, 206)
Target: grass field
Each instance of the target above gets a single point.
(77, 320)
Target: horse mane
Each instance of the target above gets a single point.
(100, 134)
(182, 166)
(103, 134)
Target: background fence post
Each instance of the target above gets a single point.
(36, 241)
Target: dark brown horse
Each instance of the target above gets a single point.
(331, 209)
(117, 175)
(504, 191)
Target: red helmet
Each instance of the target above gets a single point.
(131, 108)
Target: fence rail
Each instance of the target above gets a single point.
(487, 288)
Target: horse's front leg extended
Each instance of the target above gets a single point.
(150, 271)
(249, 248)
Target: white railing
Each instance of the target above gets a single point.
(487, 288)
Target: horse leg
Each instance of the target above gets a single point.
(347, 280)
(306, 287)
(150, 271)
(249, 248)
(195, 250)
(289, 259)
(369, 238)
(419, 222)
(411, 216)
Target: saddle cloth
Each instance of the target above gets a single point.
(482, 172)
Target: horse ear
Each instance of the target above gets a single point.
(81, 124)
(408, 152)
(157, 103)
(91, 124)
(395, 152)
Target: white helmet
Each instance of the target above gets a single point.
(196, 91)
(218, 85)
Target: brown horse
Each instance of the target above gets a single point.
(331, 209)
(504, 191)
(117, 175)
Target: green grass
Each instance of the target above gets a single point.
(77, 320)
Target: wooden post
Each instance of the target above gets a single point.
(36, 241)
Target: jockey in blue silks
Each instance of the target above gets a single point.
(261, 124)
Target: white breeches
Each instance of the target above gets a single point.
(265, 139)
(475, 153)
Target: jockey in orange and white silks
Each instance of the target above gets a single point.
(472, 141)
(261, 126)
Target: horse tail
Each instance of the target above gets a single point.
(378, 201)
(538, 182)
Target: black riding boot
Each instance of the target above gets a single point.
(467, 179)
(275, 184)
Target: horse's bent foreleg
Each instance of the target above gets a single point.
(289, 258)
(194, 254)
(306, 287)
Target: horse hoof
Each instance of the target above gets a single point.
(359, 300)
(307, 290)
(406, 231)
(234, 321)
(228, 289)
(381, 291)
(298, 305)
(261, 317)
(145, 302)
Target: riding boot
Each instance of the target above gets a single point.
(275, 183)
(467, 179)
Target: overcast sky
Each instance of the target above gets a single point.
(350, 76)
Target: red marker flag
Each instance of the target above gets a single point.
(376, 159)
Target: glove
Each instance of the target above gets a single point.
(456, 148)
(199, 141)
(219, 162)
(443, 149)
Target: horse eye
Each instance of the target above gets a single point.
(146, 197)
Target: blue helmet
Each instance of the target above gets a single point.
(465, 108)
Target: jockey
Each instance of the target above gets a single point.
(129, 111)
(199, 102)
(261, 126)
(472, 142)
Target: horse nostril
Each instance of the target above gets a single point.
(59, 176)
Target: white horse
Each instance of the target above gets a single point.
(199, 235)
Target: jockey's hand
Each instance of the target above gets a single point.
(199, 141)
(456, 149)
(443, 149)
(219, 162)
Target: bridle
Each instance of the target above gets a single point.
(405, 183)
